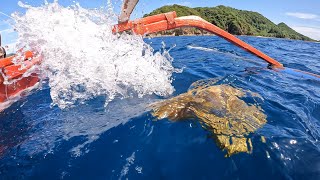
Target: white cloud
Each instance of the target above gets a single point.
(312, 32)
(8, 38)
(10, 48)
(303, 15)
(9, 30)
(4, 25)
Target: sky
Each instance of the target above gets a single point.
(302, 16)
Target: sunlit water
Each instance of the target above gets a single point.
(89, 119)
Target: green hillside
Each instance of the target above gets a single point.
(238, 22)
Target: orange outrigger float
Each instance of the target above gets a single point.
(166, 21)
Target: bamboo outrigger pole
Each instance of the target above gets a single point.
(127, 8)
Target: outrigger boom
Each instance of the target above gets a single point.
(167, 21)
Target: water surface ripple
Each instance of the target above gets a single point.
(89, 141)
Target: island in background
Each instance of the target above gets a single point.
(237, 22)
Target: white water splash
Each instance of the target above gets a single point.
(83, 59)
(126, 167)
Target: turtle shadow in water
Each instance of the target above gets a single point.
(220, 109)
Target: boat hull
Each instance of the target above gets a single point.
(17, 80)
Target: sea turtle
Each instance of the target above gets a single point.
(220, 109)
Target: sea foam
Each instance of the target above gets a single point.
(82, 59)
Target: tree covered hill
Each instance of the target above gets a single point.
(238, 22)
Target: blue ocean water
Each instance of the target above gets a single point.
(38, 141)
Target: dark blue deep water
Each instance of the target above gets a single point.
(38, 141)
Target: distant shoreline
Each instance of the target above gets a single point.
(188, 35)
(234, 21)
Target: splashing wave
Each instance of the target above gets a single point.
(83, 59)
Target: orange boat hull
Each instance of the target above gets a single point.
(17, 85)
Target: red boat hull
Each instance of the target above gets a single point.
(13, 81)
